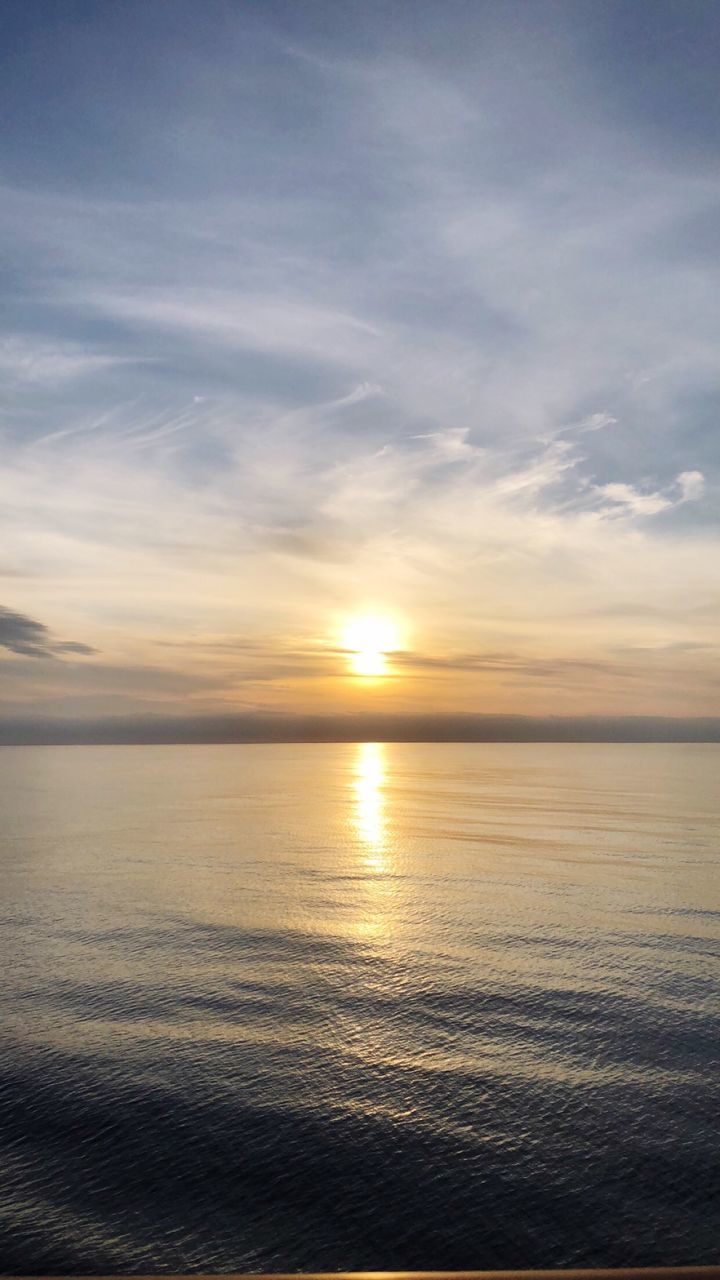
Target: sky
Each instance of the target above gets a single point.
(314, 312)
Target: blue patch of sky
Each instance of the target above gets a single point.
(253, 120)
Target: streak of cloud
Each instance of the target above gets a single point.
(31, 639)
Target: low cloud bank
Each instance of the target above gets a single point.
(388, 728)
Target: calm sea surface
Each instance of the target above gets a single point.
(285, 1007)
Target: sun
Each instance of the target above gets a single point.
(368, 640)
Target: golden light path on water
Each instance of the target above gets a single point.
(370, 816)
(372, 830)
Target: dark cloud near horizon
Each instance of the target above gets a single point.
(73, 646)
(279, 728)
(31, 639)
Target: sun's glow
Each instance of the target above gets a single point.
(368, 641)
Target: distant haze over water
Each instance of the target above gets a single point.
(359, 1005)
(357, 728)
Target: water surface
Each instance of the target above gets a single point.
(398, 1006)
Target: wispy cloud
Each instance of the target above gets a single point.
(628, 499)
(24, 360)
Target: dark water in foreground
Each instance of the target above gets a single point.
(273, 1007)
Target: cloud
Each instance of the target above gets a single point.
(31, 639)
(121, 727)
(561, 666)
(279, 324)
(23, 635)
(73, 646)
(37, 362)
(451, 444)
(689, 486)
(627, 498)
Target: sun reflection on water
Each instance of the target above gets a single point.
(376, 905)
(370, 817)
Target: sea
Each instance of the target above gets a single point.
(359, 1006)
